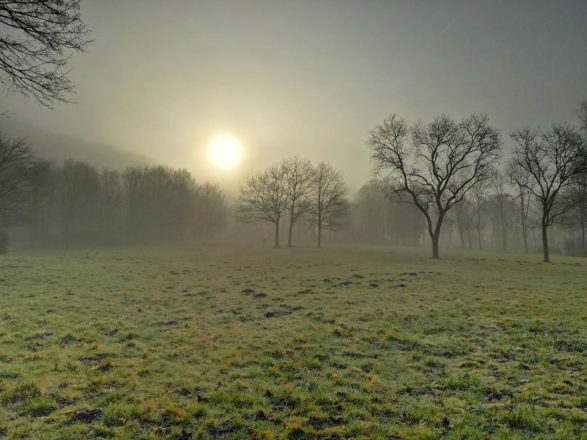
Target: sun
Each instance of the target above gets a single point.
(225, 151)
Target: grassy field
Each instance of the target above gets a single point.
(296, 343)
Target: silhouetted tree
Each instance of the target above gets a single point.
(264, 197)
(478, 194)
(39, 211)
(501, 207)
(580, 182)
(464, 211)
(372, 212)
(35, 46)
(520, 179)
(298, 175)
(162, 203)
(211, 211)
(551, 158)
(112, 209)
(583, 116)
(77, 201)
(330, 206)
(436, 164)
(16, 165)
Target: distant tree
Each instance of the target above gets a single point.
(372, 212)
(583, 116)
(436, 164)
(577, 215)
(464, 214)
(552, 159)
(162, 203)
(580, 182)
(329, 207)
(36, 44)
(298, 175)
(578, 200)
(17, 163)
(112, 208)
(264, 197)
(39, 210)
(479, 196)
(520, 179)
(77, 203)
(211, 209)
(500, 204)
(381, 215)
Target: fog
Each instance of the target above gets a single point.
(309, 78)
(400, 123)
(293, 219)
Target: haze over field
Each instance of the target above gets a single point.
(310, 78)
(297, 220)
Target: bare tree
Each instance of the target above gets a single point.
(298, 185)
(551, 158)
(580, 185)
(501, 198)
(264, 197)
(520, 179)
(478, 193)
(583, 116)
(212, 209)
(578, 194)
(464, 215)
(35, 48)
(330, 205)
(16, 166)
(436, 164)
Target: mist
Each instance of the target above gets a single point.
(270, 219)
(309, 78)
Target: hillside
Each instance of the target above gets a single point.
(58, 147)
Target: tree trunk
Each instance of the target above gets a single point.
(436, 237)
(545, 242)
(582, 230)
(460, 228)
(504, 236)
(584, 251)
(523, 222)
(291, 224)
(319, 235)
(277, 234)
(479, 228)
(435, 253)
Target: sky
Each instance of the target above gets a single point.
(311, 77)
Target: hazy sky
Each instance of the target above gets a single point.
(311, 77)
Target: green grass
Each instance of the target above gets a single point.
(335, 343)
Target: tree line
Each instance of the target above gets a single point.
(448, 171)
(434, 179)
(74, 204)
(295, 190)
(449, 165)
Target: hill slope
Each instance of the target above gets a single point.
(58, 147)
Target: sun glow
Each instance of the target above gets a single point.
(225, 151)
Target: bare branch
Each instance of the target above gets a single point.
(436, 164)
(36, 45)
